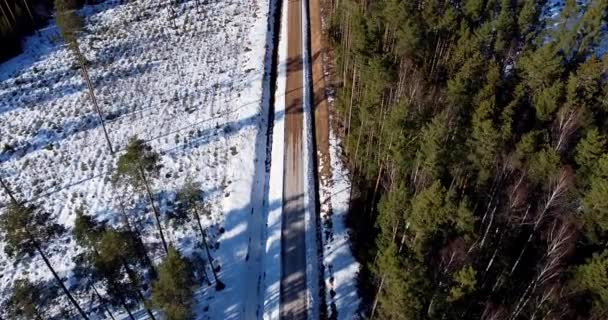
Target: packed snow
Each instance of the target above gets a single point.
(194, 93)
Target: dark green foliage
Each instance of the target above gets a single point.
(86, 230)
(25, 302)
(139, 159)
(68, 21)
(136, 167)
(588, 150)
(28, 230)
(190, 201)
(595, 202)
(173, 292)
(476, 134)
(465, 283)
(591, 279)
(25, 228)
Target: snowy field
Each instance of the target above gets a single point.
(194, 93)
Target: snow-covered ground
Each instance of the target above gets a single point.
(194, 93)
(308, 134)
(272, 257)
(341, 268)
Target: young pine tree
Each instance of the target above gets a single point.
(173, 292)
(109, 255)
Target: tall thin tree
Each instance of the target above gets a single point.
(27, 231)
(136, 167)
(192, 198)
(70, 23)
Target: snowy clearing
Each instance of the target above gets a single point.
(194, 93)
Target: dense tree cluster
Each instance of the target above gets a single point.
(476, 131)
(19, 18)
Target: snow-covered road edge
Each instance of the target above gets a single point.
(312, 256)
(341, 268)
(271, 283)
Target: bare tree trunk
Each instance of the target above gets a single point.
(85, 75)
(134, 282)
(352, 94)
(8, 191)
(139, 240)
(63, 287)
(27, 8)
(219, 285)
(10, 11)
(8, 22)
(358, 141)
(202, 231)
(156, 213)
(375, 304)
(103, 301)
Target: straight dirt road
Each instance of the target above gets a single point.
(293, 241)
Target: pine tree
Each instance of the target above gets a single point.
(480, 126)
(173, 292)
(191, 197)
(136, 167)
(116, 255)
(25, 302)
(466, 282)
(70, 24)
(595, 202)
(29, 230)
(108, 256)
(588, 151)
(591, 278)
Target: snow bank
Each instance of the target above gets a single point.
(309, 175)
(272, 258)
(341, 268)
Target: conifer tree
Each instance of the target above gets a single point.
(25, 302)
(191, 197)
(481, 128)
(136, 167)
(70, 24)
(28, 230)
(109, 256)
(173, 291)
(591, 278)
